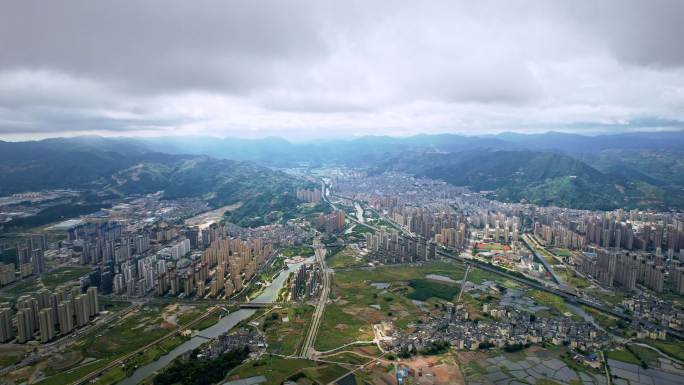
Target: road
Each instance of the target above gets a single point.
(543, 261)
(463, 283)
(308, 348)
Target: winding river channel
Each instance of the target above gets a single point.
(225, 324)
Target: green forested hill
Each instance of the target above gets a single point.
(538, 177)
(34, 166)
(219, 181)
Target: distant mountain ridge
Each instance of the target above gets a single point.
(623, 170)
(280, 152)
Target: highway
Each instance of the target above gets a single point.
(463, 283)
(308, 346)
(543, 261)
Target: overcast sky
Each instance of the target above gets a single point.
(337, 69)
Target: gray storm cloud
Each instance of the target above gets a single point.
(309, 69)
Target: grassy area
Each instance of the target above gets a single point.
(125, 336)
(304, 251)
(63, 275)
(549, 300)
(7, 360)
(651, 357)
(74, 374)
(192, 314)
(348, 358)
(475, 368)
(358, 305)
(25, 286)
(546, 255)
(371, 305)
(604, 320)
(572, 278)
(208, 322)
(346, 258)
(324, 374)
(361, 230)
(119, 373)
(382, 223)
(392, 273)
(670, 347)
(286, 337)
(623, 355)
(275, 369)
(108, 304)
(425, 289)
(9, 256)
(479, 276)
(611, 298)
(339, 328)
(636, 355)
(562, 252)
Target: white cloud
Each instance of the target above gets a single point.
(316, 69)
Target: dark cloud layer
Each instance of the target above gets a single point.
(324, 68)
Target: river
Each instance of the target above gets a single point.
(225, 324)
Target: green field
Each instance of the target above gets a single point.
(549, 300)
(636, 355)
(63, 275)
(7, 360)
(339, 328)
(277, 370)
(358, 305)
(348, 358)
(286, 337)
(346, 258)
(670, 347)
(611, 298)
(393, 273)
(25, 286)
(623, 355)
(572, 278)
(74, 374)
(562, 252)
(604, 320)
(303, 251)
(324, 374)
(425, 289)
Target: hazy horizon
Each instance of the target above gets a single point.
(338, 138)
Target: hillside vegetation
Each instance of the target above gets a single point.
(542, 178)
(33, 166)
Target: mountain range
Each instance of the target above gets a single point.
(642, 170)
(119, 167)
